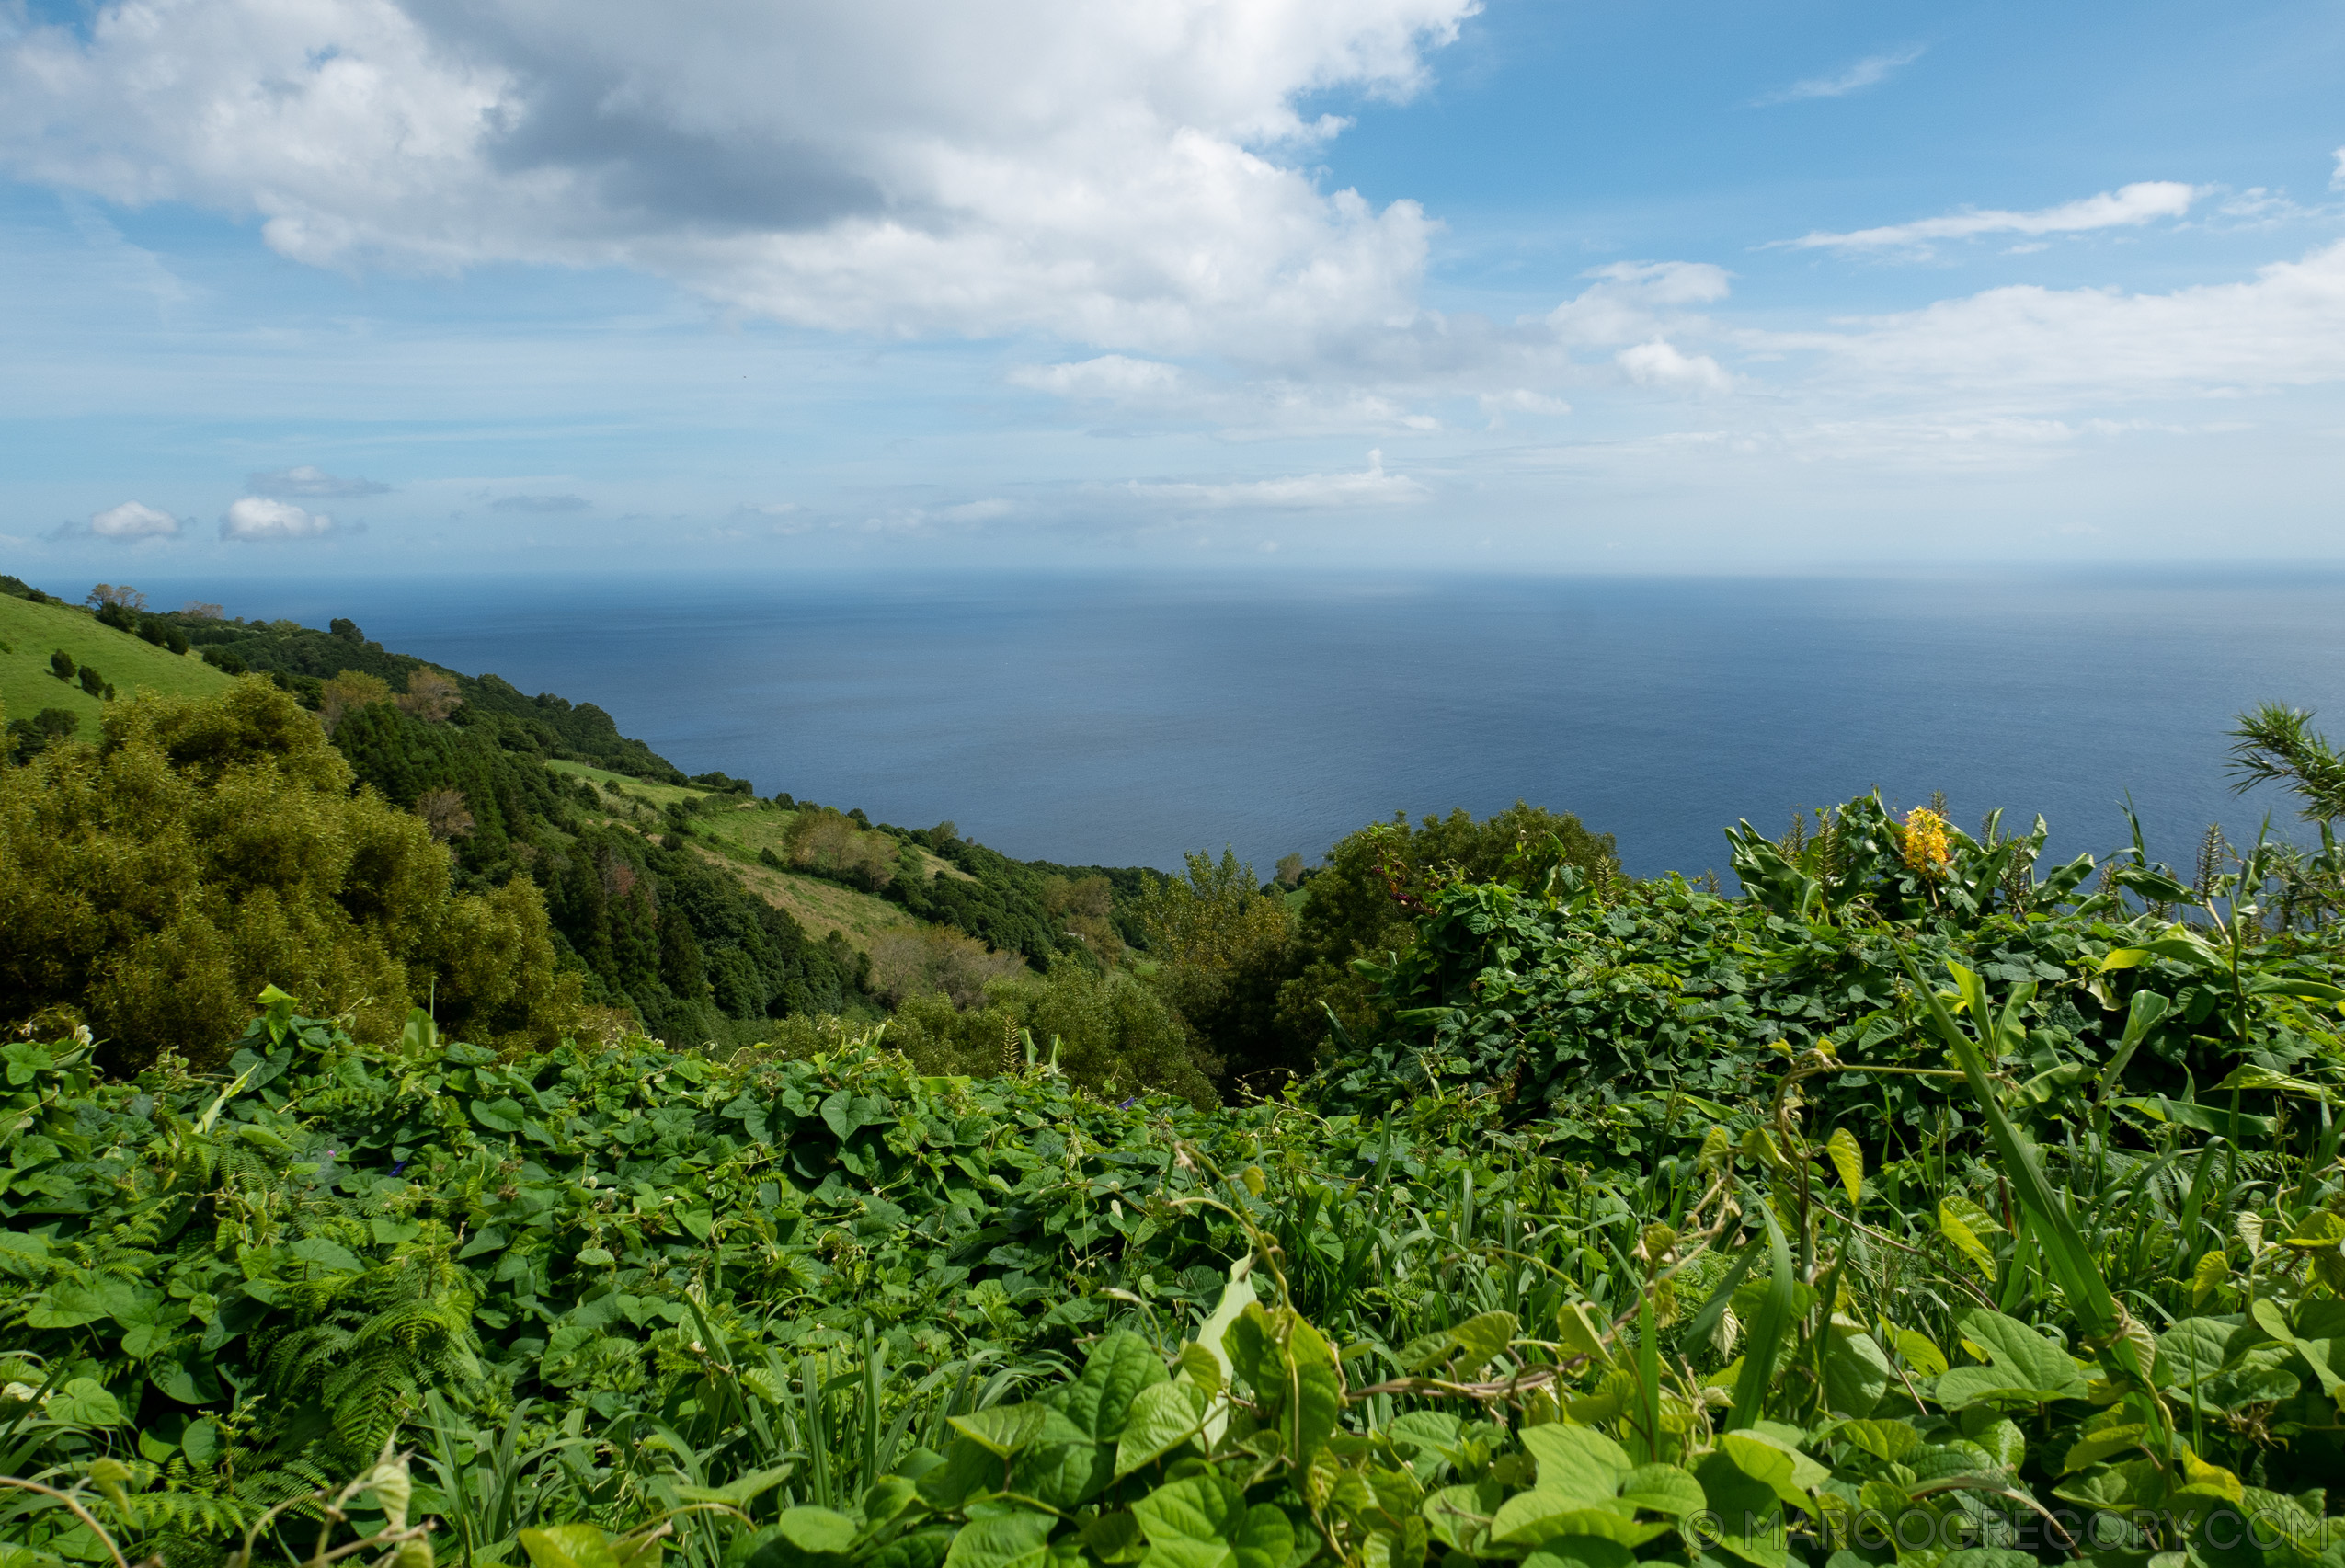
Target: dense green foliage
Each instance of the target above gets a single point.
(1875, 1251)
(151, 881)
(302, 659)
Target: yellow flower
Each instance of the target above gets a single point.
(1925, 847)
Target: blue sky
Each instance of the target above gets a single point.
(317, 286)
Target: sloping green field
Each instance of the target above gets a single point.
(734, 828)
(29, 633)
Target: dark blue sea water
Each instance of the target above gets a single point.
(1124, 720)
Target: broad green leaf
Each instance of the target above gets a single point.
(2025, 1364)
(499, 1116)
(2095, 1447)
(1203, 1368)
(69, 1303)
(1120, 1366)
(1748, 1522)
(1856, 1372)
(817, 1530)
(2197, 1348)
(1479, 1339)
(1537, 1515)
(1888, 1440)
(1664, 1489)
(569, 1546)
(1203, 1507)
(1063, 1475)
(321, 1255)
(1162, 1417)
(1113, 1537)
(1577, 1464)
(1002, 1429)
(84, 1401)
(2004, 1442)
(1001, 1540)
(1265, 1539)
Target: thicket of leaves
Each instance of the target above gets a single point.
(1918, 1207)
(154, 880)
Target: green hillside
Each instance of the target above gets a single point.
(29, 633)
(731, 829)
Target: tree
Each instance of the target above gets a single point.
(430, 695)
(345, 693)
(1290, 871)
(444, 812)
(156, 881)
(342, 626)
(124, 597)
(2276, 744)
(92, 682)
(27, 738)
(1084, 907)
(197, 610)
(61, 665)
(1221, 949)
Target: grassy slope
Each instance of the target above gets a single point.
(736, 829)
(33, 631)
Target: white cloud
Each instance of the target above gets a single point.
(2337, 175)
(256, 517)
(1661, 366)
(1869, 71)
(1116, 378)
(1124, 174)
(309, 481)
(132, 519)
(1632, 299)
(2127, 207)
(1300, 492)
(1521, 400)
(2285, 327)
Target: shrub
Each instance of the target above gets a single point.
(205, 848)
(937, 961)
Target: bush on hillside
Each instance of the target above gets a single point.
(1364, 903)
(1112, 1034)
(937, 961)
(203, 848)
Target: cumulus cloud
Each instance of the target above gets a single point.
(541, 505)
(1871, 70)
(2129, 206)
(1661, 366)
(1128, 175)
(258, 517)
(2285, 327)
(1300, 492)
(308, 482)
(133, 519)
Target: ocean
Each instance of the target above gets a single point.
(1127, 719)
